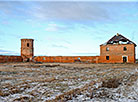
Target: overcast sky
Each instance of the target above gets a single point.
(66, 27)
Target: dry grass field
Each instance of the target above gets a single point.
(53, 82)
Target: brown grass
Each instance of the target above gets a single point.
(63, 79)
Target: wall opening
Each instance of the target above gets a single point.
(27, 44)
(27, 60)
(107, 49)
(124, 59)
(107, 57)
(125, 48)
(77, 60)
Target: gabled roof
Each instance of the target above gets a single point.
(119, 39)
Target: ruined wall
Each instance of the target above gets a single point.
(10, 59)
(116, 53)
(67, 59)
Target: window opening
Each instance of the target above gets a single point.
(27, 44)
(125, 48)
(107, 49)
(107, 57)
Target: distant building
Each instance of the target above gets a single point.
(27, 49)
(117, 50)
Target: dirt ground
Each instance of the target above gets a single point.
(59, 82)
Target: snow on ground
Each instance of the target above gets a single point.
(69, 82)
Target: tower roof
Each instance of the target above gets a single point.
(119, 39)
(26, 39)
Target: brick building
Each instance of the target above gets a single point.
(117, 50)
(27, 49)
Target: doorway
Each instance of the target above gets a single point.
(27, 60)
(124, 59)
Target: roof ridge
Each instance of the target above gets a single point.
(117, 38)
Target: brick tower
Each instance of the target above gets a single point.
(27, 50)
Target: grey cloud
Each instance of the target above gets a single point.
(68, 11)
(54, 10)
(16, 9)
(82, 11)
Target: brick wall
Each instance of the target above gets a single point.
(10, 59)
(67, 59)
(27, 50)
(116, 53)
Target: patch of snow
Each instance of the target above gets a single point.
(13, 97)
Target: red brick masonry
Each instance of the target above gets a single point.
(67, 59)
(117, 50)
(116, 53)
(27, 50)
(10, 59)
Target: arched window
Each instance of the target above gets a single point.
(27, 44)
(125, 48)
(107, 49)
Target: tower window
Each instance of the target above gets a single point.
(125, 48)
(27, 44)
(107, 49)
(107, 57)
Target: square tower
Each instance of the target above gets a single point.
(27, 49)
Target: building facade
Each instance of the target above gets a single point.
(27, 49)
(117, 50)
